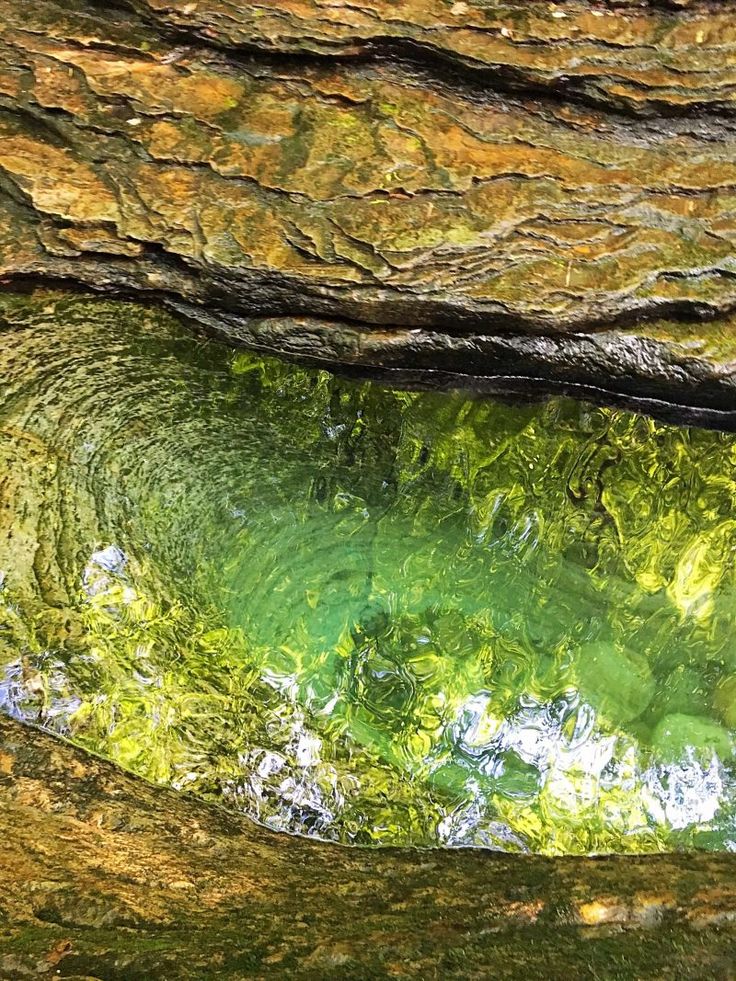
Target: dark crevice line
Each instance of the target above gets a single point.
(524, 388)
(452, 72)
(446, 67)
(250, 292)
(519, 387)
(671, 404)
(703, 121)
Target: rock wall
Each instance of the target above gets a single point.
(517, 197)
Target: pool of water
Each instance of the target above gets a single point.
(367, 615)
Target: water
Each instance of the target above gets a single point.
(371, 616)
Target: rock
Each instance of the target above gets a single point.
(436, 228)
(94, 863)
(618, 684)
(682, 691)
(636, 60)
(679, 736)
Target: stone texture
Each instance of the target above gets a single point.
(519, 197)
(632, 56)
(104, 876)
(179, 153)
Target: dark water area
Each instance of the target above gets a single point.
(372, 616)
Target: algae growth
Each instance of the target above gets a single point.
(373, 616)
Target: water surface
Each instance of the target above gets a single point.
(372, 616)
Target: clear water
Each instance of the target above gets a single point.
(371, 616)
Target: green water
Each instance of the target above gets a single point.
(371, 616)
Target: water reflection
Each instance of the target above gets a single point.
(371, 616)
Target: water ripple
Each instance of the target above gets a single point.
(370, 616)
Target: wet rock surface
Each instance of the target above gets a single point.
(517, 198)
(107, 877)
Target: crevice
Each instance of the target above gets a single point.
(447, 67)
(687, 390)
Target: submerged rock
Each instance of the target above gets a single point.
(618, 683)
(678, 736)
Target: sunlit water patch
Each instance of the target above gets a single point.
(366, 615)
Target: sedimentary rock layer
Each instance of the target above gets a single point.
(632, 56)
(575, 175)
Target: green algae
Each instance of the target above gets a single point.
(372, 616)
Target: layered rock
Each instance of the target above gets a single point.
(318, 166)
(629, 56)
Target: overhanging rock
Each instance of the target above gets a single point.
(516, 197)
